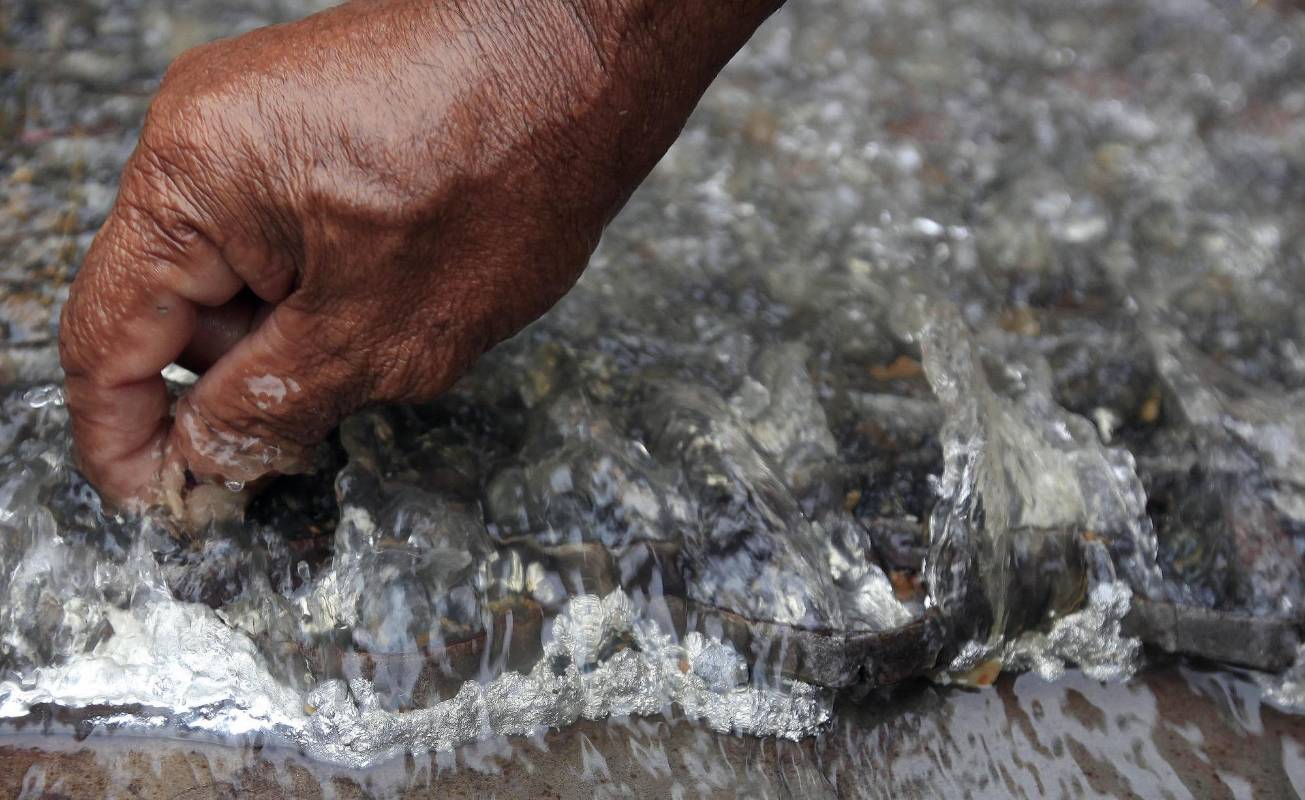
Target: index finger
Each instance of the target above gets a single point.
(131, 311)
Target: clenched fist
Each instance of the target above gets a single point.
(350, 209)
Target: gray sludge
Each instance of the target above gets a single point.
(946, 340)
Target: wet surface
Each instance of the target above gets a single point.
(1177, 733)
(949, 338)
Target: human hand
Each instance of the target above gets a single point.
(350, 209)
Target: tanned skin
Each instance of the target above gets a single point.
(350, 209)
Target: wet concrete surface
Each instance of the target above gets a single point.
(1175, 732)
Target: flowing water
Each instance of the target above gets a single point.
(950, 339)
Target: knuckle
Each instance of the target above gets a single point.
(185, 64)
(189, 138)
(186, 80)
(164, 206)
(169, 128)
(166, 159)
(160, 230)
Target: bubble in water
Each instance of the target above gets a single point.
(42, 396)
(235, 486)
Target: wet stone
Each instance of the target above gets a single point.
(585, 481)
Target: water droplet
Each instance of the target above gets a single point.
(235, 486)
(42, 396)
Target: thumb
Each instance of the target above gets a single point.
(258, 412)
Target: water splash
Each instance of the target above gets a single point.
(181, 660)
(727, 419)
(1287, 690)
(42, 396)
(1028, 498)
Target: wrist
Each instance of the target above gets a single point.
(705, 34)
(656, 58)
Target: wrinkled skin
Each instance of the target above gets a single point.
(350, 209)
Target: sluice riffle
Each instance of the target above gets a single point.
(950, 339)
